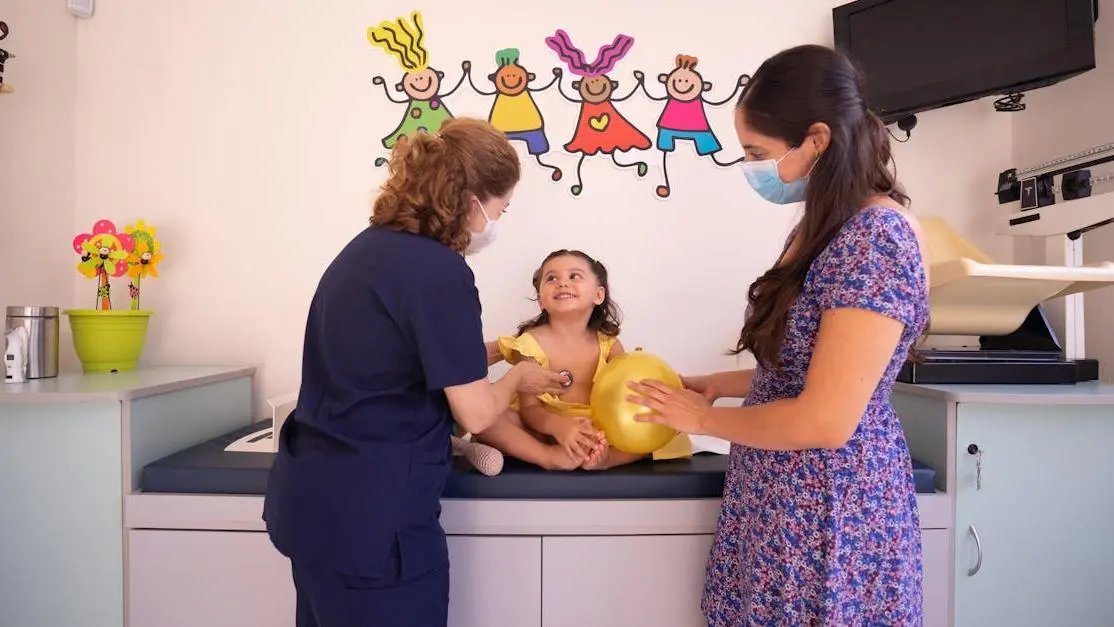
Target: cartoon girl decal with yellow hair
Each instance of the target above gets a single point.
(421, 83)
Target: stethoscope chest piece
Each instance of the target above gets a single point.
(567, 383)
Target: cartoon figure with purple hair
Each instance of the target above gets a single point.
(600, 129)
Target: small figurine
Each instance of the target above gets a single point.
(4, 56)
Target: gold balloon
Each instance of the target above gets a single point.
(613, 414)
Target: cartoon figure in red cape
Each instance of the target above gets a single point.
(600, 129)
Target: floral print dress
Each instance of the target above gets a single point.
(829, 537)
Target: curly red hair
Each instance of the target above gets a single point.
(433, 178)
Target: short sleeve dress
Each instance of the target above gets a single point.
(829, 537)
(525, 346)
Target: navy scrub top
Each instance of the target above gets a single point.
(356, 485)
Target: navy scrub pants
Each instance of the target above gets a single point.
(327, 599)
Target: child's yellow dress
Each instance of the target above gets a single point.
(515, 349)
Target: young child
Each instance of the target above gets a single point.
(577, 332)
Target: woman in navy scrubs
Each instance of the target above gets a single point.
(393, 352)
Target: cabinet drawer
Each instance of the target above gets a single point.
(624, 580)
(495, 581)
(211, 578)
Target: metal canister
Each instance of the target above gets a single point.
(42, 330)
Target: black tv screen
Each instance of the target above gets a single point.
(919, 55)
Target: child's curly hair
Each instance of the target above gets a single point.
(606, 316)
(433, 178)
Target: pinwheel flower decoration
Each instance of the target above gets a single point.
(103, 253)
(144, 258)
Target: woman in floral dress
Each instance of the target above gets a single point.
(819, 522)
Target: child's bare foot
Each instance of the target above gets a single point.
(600, 458)
(556, 458)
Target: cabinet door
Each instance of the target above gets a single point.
(212, 578)
(623, 580)
(495, 581)
(1033, 544)
(937, 590)
(232, 579)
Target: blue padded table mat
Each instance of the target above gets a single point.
(208, 469)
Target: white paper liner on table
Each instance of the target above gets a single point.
(708, 444)
(264, 440)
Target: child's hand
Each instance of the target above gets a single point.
(578, 437)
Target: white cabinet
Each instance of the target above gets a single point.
(212, 578)
(205, 560)
(623, 580)
(180, 578)
(495, 581)
(71, 448)
(1027, 469)
(1033, 540)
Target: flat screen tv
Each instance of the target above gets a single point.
(919, 55)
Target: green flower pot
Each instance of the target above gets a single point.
(108, 340)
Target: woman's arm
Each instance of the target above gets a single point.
(477, 405)
(853, 349)
(870, 290)
(871, 286)
(726, 384)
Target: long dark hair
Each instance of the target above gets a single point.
(605, 317)
(789, 93)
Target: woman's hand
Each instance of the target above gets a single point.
(683, 410)
(702, 385)
(534, 380)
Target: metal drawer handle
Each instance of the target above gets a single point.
(978, 559)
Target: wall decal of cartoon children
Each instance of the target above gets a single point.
(514, 111)
(420, 83)
(600, 128)
(684, 117)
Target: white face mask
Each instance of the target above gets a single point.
(484, 238)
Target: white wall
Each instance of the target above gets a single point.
(37, 170)
(245, 132)
(1067, 118)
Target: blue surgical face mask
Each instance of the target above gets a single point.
(765, 178)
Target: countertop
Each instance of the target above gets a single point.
(118, 386)
(1087, 393)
